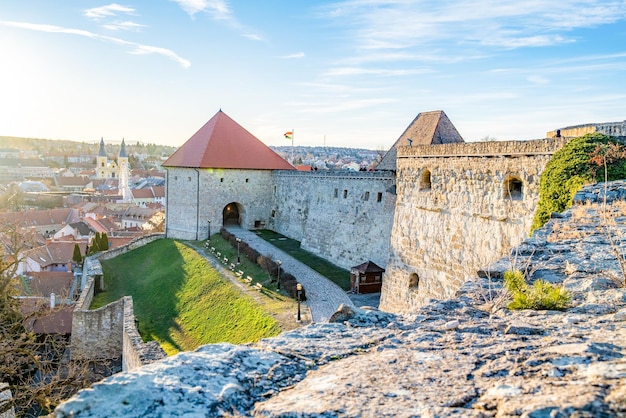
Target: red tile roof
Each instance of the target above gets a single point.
(223, 143)
(46, 282)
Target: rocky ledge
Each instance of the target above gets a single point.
(466, 357)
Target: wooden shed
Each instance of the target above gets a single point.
(366, 278)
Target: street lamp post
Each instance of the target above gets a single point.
(299, 291)
(238, 259)
(280, 263)
(209, 237)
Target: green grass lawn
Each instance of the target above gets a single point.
(180, 300)
(292, 247)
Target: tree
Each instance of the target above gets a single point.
(95, 244)
(77, 257)
(13, 199)
(571, 167)
(31, 364)
(104, 242)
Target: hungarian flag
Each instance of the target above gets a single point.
(289, 135)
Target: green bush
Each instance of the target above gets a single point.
(568, 170)
(540, 296)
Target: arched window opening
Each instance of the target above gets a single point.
(513, 188)
(425, 180)
(414, 281)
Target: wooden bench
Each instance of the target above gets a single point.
(232, 267)
(218, 254)
(258, 286)
(225, 260)
(212, 249)
(239, 273)
(248, 280)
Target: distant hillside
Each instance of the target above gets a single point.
(47, 147)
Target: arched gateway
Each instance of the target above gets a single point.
(232, 213)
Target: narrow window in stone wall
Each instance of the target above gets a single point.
(175, 177)
(425, 183)
(345, 194)
(222, 180)
(379, 198)
(273, 213)
(188, 178)
(336, 193)
(414, 281)
(366, 197)
(275, 189)
(513, 188)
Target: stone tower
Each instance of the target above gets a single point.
(122, 161)
(101, 161)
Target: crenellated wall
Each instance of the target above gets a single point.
(343, 216)
(459, 206)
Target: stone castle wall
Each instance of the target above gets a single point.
(454, 214)
(195, 196)
(343, 216)
(110, 332)
(617, 129)
(97, 334)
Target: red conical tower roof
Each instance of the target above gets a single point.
(223, 143)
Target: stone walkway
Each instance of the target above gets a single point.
(323, 296)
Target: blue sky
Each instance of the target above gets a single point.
(350, 73)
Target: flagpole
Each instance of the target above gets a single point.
(292, 135)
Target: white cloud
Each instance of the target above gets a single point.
(217, 8)
(292, 56)
(537, 79)
(137, 48)
(252, 36)
(147, 49)
(406, 24)
(350, 71)
(126, 25)
(106, 11)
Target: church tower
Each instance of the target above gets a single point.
(101, 161)
(122, 161)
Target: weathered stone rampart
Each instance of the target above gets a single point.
(485, 149)
(459, 207)
(136, 353)
(343, 216)
(616, 129)
(110, 332)
(97, 334)
(464, 357)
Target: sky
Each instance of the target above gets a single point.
(343, 73)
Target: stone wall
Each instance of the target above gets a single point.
(110, 332)
(136, 353)
(343, 216)
(195, 196)
(454, 213)
(97, 334)
(616, 129)
(136, 243)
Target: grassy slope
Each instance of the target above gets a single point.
(180, 300)
(292, 247)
